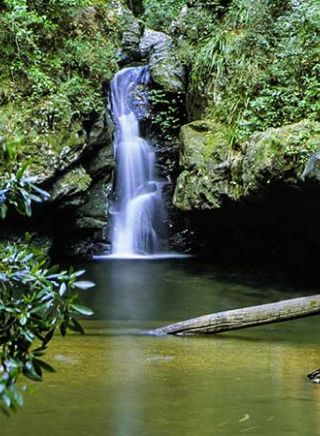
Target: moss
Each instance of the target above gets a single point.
(213, 172)
(201, 140)
(71, 183)
(204, 157)
(280, 153)
(42, 146)
(53, 82)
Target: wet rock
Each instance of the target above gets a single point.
(99, 131)
(83, 246)
(95, 206)
(166, 70)
(312, 169)
(152, 41)
(90, 223)
(102, 163)
(87, 231)
(70, 184)
(131, 37)
(212, 172)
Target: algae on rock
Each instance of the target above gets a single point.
(212, 172)
(206, 162)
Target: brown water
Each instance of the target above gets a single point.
(115, 381)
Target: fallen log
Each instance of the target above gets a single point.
(246, 317)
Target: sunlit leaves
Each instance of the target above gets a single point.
(57, 56)
(17, 188)
(35, 300)
(259, 67)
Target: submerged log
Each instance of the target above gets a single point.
(314, 376)
(245, 317)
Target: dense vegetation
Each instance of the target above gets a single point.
(57, 58)
(35, 298)
(263, 65)
(159, 15)
(253, 65)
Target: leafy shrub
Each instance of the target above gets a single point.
(62, 52)
(17, 189)
(35, 299)
(259, 68)
(160, 14)
(165, 114)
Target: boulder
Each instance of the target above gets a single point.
(166, 69)
(312, 169)
(285, 154)
(153, 41)
(212, 172)
(70, 184)
(131, 37)
(206, 174)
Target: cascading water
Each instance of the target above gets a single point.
(138, 209)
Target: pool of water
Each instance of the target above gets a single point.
(117, 381)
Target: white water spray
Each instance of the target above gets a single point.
(138, 211)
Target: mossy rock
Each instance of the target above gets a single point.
(89, 223)
(131, 35)
(212, 172)
(165, 67)
(204, 158)
(279, 154)
(49, 150)
(96, 204)
(74, 182)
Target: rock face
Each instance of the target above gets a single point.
(81, 192)
(76, 168)
(154, 48)
(131, 37)
(212, 172)
(166, 69)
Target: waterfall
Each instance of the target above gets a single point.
(137, 210)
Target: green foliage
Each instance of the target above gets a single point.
(35, 299)
(158, 15)
(17, 189)
(57, 56)
(191, 27)
(166, 116)
(197, 25)
(259, 67)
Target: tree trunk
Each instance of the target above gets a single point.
(246, 317)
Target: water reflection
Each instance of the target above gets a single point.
(114, 383)
(171, 289)
(132, 386)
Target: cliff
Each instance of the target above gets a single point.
(239, 80)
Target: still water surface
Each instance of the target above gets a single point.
(117, 382)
